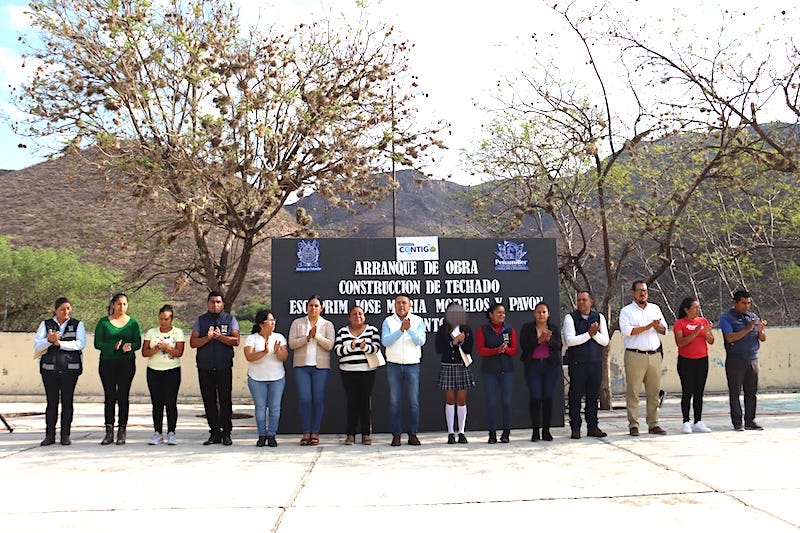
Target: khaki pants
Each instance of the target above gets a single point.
(642, 368)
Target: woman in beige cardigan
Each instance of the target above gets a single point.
(311, 337)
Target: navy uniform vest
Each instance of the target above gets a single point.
(58, 360)
(215, 354)
(500, 363)
(590, 351)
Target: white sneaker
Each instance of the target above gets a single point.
(171, 440)
(687, 427)
(156, 439)
(700, 427)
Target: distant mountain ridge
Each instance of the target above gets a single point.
(424, 207)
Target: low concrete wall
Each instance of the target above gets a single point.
(779, 357)
(779, 360)
(19, 371)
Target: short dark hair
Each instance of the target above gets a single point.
(403, 295)
(587, 292)
(213, 294)
(635, 283)
(61, 301)
(740, 294)
(261, 317)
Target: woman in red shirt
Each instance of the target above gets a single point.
(496, 343)
(692, 335)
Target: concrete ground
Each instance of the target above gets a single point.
(725, 480)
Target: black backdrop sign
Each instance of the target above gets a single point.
(367, 272)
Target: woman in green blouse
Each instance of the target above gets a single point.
(117, 336)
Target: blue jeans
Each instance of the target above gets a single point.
(491, 382)
(541, 377)
(311, 382)
(267, 396)
(403, 379)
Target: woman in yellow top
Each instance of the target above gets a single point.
(117, 336)
(163, 347)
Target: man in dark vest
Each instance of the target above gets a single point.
(743, 332)
(214, 334)
(585, 335)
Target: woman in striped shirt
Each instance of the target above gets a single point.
(353, 343)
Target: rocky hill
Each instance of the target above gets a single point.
(67, 203)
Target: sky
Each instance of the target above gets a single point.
(463, 51)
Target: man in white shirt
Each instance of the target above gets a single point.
(585, 336)
(403, 335)
(642, 325)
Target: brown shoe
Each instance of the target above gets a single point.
(413, 440)
(634, 432)
(395, 440)
(366, 439)
(350, 440)
(597, 432)
(576, 434)
(656, 430)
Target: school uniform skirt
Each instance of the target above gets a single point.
(455, 376)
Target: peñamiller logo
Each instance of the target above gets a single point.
(417, 248)
(510, 256)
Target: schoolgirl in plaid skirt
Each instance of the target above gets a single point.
(454, 338)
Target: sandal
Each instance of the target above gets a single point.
(305, 440)
(314, 440)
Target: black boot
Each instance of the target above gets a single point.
(547, 416)
(505, 436)
(536, 418)
(121, 434)
(49, 439)
(492, 437)
(109, 438)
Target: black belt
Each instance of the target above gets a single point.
(646, 352)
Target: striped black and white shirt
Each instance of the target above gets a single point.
(355, 359)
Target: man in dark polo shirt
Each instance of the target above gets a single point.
(743, 332)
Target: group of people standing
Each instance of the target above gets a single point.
(360, 349)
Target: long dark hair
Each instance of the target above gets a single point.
(686, 303)
(261, 317)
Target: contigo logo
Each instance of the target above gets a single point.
(411, 248)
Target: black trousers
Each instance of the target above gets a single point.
(59, 385)
(164, 385)
(693, 374)
(742, 374)
(215, 388)
(358, 389)
(117, 376)
(584, 380)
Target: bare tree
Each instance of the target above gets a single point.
(606, 169)
(219, 126)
